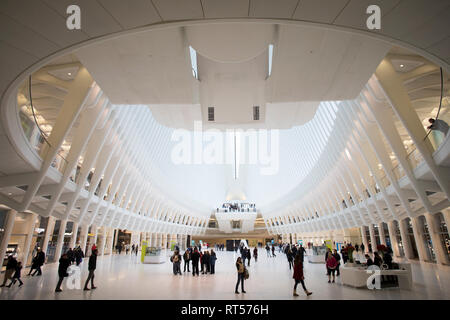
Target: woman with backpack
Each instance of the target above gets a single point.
(298, 275)
(241, 275)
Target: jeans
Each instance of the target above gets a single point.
(213, 268)
(176, 268)
(299, 281)
(194, 268)
(58, 286)
(186, 263)
(90, 277)
(38, 270)
(241, 280)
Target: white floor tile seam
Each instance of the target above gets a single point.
(124, 277)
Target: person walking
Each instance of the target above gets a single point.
(195, 259)
(331, 267)
(16, 276)
(212, 262)
(290, 258)
(186, 258)
(132, 248)
(38, 262)
(268, 250)
(338, 260)
(255, 254)
(273, 251)
(249, 256)
(11, 266)
(91, 267)
(64, 264)
(299, 276)
(136, 249)
(243, 255)
(241, 275)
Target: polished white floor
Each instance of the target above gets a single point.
(124, 277)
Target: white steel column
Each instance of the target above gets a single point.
(364, 238)
(73, 238)
(26, 248)
(382, 234)
(440, 250)
(424, 254)
(393, 238)
(9, 225)
(60, 241)
(49, 229)
(372, 238)
(83, 237)
(405, 239)
(102, 245)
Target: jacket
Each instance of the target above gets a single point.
(240, 267)
(64, 264)
(331, 262)
(187, 256)
(40, 258)
(12, 264)
(195, 257)
(92, 262)
(212, 259)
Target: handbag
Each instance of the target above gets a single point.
(246, 274)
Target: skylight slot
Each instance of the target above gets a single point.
(193, 54)
(270, 59)
(255, 112)
(210, 113)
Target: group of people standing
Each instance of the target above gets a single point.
(207, 260)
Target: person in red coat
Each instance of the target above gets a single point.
(298, 275)
(331, 267)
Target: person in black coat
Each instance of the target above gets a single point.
(10, 269)
(195, 258)
(79, 255)
(212, 261)
(369, 260)
(38, 262)
(91, 267)
(16, 276)
(377, 259)
(64, 264)
(337, 256)
(71, 255)
(249, 256)
(301, 251)
(290, 258)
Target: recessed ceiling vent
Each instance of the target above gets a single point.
(210, 113)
